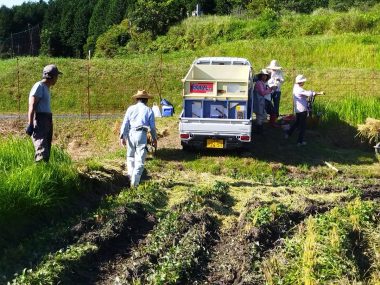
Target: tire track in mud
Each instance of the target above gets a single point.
(42, 240)
(113, 238)
(236, 257)
(191, 241)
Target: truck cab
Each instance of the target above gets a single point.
(217, 104)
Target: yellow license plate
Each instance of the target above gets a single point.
(214, 143)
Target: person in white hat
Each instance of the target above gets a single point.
(40, 119)
(300, 96)
(276, 80)
(262, 99)
(138, 120)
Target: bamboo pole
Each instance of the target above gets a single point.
(88, 85)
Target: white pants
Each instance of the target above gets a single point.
(136, 153)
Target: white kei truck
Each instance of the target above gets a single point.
(217, 104)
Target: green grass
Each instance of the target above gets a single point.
(31, 191)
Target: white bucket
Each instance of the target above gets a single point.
(156, 111)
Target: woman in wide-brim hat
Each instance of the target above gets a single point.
(261, 91)
(138, 120)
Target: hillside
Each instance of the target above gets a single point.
(346, 67)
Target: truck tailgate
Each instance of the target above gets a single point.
(217, 127)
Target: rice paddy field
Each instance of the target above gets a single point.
(274, 213)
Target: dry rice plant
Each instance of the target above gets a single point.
(370, 130)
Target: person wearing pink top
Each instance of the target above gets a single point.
(262, 99)
(300, 97)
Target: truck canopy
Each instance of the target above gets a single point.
(222, 61)
(218, 78)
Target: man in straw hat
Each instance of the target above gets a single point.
(276, 80)
(138, 119)
(300, 96)
(40, 122)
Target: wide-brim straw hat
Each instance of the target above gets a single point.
(300, 78)
(142, 94)
(274, 65)
(263, 72)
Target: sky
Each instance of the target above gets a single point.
(11, 3)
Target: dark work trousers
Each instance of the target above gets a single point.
(42, 136)
(269, 107)
(276, 96)
(300, 124)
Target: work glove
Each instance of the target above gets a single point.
(29, 130)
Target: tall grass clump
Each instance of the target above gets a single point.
(29, 191)
(325, 249)
(352, 109)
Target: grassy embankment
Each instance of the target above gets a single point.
(344, 66)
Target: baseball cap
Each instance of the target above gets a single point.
(50, 71)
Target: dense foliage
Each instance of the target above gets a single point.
(71, 27)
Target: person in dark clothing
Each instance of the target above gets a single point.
(300, 96)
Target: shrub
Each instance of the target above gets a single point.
(117, 36)
(354, 21)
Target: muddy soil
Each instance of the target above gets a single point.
(139, 264)
(236, 257)
(114, 239)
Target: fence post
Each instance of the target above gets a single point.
(88, 85)
(12, 49)
(18, 89)
(31, 39)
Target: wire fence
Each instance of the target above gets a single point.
(91, 87)
(23, 43)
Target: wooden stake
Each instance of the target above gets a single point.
(332, 167)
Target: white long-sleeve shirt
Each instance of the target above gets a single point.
(136, 116)
(300, 98)
(276, 79)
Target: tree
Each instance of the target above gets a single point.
(51, 43)
(98, 22)
(157, 16)
(223, 7)
(6, 17)
(28, 14)
(116, 11)
(345, 5)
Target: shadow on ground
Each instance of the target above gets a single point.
(336, 144)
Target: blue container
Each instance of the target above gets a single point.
(167, 111)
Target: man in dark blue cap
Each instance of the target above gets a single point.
(40, 122)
